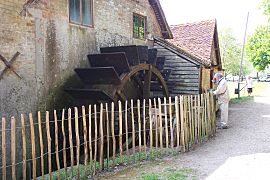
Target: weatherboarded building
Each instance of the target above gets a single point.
(200, 40)
(193, 55)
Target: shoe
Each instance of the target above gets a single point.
(223, 127)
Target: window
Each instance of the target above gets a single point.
(81, 12)
(139, 23)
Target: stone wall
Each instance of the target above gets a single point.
(114, 21)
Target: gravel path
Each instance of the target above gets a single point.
(240, 152)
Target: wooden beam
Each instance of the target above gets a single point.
(147, 83)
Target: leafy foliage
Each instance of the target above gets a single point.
(231, 53)
(258, 45)
(258, 48)
(266, 8)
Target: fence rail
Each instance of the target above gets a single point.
(82, 141)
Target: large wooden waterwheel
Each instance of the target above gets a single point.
(121, 73)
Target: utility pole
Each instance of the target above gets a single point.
(242, 56)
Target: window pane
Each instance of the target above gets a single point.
(141, 29)
(138, 26)
(135, 26)
(87, 12)
(74, 10)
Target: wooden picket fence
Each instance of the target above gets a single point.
(83, 141)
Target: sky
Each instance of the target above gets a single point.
(229, 13)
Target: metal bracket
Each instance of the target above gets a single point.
(9, 65)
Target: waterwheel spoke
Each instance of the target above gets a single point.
(147, 83)
(122, 96)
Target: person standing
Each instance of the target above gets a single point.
(222, 94)
(249, 84)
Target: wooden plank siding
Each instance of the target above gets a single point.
(206, 79)
(185, 75)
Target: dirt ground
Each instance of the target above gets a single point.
(240, 152)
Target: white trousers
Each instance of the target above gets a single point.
(224, 113)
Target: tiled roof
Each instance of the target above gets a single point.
(195, 38)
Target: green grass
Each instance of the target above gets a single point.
(241, 99)
(259, 88)
(125, 160)
(150, 176)
(109, 165)
(170, 174)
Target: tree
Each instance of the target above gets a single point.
(258, 45)
(258, 48)
(230, 52)
(266, 8)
